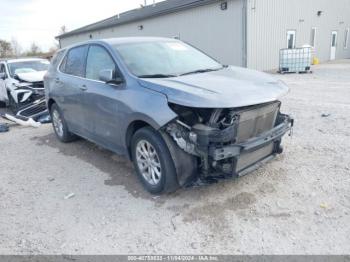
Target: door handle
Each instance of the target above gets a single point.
(57, 80)
(83, 88)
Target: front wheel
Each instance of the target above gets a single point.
(153, 162)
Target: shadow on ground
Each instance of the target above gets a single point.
(208, 205)
(121, 171)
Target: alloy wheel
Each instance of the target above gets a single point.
(148, 162)
(57, 123)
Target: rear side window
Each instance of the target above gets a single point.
(98, 59)
(74, 62)
(57, 58)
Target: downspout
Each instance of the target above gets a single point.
(245, 33)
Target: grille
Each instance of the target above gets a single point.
(38, 84)
(33, 110)
(248, 159)
(256, 120)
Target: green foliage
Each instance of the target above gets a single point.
(5, 49)
(34, 50)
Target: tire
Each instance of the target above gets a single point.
(60, 126)
(164, 180)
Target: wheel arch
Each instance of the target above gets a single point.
(132, 128)
(185, 164)
(50, 102)
(138, 120)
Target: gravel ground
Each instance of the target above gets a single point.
(297, 204)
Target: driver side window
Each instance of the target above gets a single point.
(98, 59)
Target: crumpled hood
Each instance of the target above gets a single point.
(227, 88)
(32, 76)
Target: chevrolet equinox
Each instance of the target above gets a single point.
(178, 114)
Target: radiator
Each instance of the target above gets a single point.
(256, 120)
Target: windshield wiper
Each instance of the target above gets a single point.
(202, 71)
(156, 76)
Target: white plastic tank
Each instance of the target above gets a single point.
(295, 60)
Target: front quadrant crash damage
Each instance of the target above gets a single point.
(24, 93)
(27, 101)
(229, 142)
(28, 106)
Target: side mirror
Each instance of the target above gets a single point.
(2, 76)
(108, 76)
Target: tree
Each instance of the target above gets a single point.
(63, 30)
(16, 47)
(34, 50)
(5, 49)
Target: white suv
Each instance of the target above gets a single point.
(21, 81)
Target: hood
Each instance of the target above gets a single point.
(227, 88)
(32, 76)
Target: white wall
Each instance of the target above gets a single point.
(269, 20)
(216, 32)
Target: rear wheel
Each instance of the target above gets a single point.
(60, 126)
(153, 162)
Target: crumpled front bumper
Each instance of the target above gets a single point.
(249, 155)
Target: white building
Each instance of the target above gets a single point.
(239, 32)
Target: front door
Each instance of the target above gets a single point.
(334, 45)
(101, 100)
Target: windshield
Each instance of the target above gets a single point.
(164, 59)
(27, 66)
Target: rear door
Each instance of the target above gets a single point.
(70, 84)
(101, 99)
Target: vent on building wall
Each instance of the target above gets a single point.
(223, 6)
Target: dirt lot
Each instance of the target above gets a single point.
(299, 203)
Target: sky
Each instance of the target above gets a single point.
(40, 21)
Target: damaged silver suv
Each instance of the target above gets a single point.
(179, 115)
